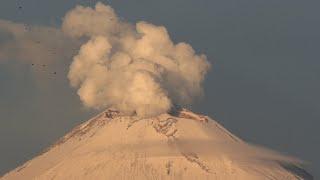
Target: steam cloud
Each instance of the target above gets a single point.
(133, 68)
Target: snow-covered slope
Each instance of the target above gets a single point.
(182, 146)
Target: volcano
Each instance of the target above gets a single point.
(179, 145)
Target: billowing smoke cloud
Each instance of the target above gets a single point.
(136, 69)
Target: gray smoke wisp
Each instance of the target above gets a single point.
(34, 44)
(136, 69)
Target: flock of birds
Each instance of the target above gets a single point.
(43, 65)
(27, 28)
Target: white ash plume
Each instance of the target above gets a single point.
(133, 68)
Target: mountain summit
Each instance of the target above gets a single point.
(180, 146)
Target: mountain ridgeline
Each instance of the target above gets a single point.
(180, 145)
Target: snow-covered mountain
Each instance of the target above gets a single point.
(185, 145)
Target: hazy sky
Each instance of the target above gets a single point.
(263, 85)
